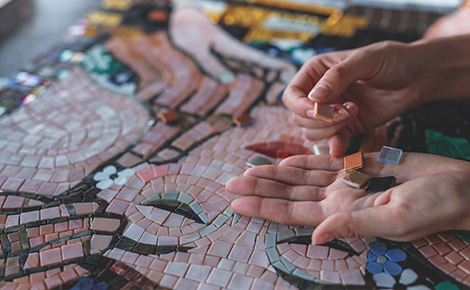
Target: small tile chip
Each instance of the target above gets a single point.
(243, 120)
(324, 112)
(353, 161)
(321, 149)
(257, 161)
(356, 179)
(170, 117)
(380, 183)
(389, 155)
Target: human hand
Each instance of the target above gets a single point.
(366, 87)
(431, 195)
(192, 32)
(452, 24)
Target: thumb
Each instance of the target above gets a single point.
(337, 79)
(378, 221)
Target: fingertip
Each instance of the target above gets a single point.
(322, 234)
(246, 205)
(297, 102)
(320, 92)
(235, 185)
(230, 186)
(322, 239)
(338, 145)
(331, 228)
(235, 205)
(350, 109)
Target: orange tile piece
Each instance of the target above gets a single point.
(157, 15)
(243, 120)
(169, 117)
(324, 112)
(353, 161)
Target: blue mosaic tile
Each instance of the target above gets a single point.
(389, 155)
(378, 248)
(392, 268)
(374, 268)
(396, 255)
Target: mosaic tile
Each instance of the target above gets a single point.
(98, 192)
(380, 183)
(356, 178)
(243, 120)
(323, 112)
(353, 161)
(389, 155)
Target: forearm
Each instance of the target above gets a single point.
(444, 68)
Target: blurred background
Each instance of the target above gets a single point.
(28, 27)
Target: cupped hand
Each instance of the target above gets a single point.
(431, 195)
(366, 87)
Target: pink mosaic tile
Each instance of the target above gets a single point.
(88, 155)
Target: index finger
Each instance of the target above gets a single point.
(295, 95)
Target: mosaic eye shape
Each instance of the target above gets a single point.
(178, 202)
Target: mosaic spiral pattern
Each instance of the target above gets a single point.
(98, 192)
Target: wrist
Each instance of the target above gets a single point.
(443, 68)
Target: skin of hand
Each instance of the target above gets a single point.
(370, 85)
(431, 195)
(455, 23)
(191, 31)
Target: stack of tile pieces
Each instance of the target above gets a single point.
(358, 179)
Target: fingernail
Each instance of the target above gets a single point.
(350, 109)
(323, 239)
(319, 92)
(310, 113)
(345, 111)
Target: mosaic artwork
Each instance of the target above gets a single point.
(117, 142)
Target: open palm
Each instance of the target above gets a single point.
(431, 195)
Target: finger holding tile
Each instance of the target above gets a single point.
(326, 115)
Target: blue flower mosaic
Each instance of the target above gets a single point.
(383, 265)
(382, 260)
